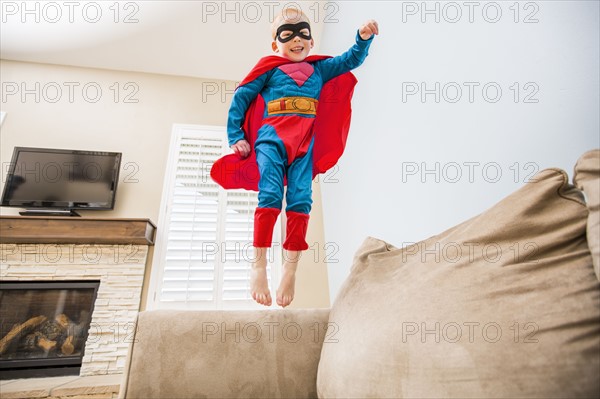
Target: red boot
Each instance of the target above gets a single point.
(297, 225)
(264, 221)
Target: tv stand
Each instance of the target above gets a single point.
(49, 212)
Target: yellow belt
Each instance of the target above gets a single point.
(293, 105)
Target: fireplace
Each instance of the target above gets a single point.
(44, 326)
(113, 252)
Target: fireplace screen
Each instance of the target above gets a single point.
(44, 327)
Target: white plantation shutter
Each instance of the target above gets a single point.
(204, 240)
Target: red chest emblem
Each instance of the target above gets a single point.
(299, 71)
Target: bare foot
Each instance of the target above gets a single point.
(285, 292)
(259, 284)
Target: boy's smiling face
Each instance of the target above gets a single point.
(297, 48)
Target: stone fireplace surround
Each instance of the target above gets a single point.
(113, 251)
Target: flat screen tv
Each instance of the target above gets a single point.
(58, 181)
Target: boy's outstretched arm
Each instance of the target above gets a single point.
(242, 98)
(354, 57)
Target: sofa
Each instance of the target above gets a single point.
(504, 305)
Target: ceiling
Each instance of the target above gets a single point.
(206, 39)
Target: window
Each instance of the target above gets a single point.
(204, 239)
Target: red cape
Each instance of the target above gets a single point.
(331, 127)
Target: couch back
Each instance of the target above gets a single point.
(225, 354)
(504, 305)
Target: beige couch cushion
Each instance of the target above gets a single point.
(587, 178)
(225, 354)
(503, 305)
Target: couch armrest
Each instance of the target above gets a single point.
(223, 354)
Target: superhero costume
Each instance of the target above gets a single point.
(290, 142)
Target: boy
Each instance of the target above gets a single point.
(281, 134)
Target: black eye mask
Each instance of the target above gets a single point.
(295, 29)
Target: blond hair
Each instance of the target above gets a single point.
(287, 16)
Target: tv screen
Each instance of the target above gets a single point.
(61, 179)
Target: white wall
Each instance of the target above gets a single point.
(372, 195)
(137, 122)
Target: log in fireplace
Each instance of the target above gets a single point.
(44, 326)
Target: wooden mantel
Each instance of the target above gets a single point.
(75, 230)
